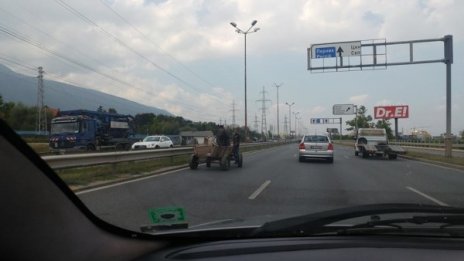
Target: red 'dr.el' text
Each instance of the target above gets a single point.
(391, 112)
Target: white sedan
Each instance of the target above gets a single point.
(153, 142)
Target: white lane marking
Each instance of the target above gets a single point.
(441, 203)
(129, 181)
(259, 190)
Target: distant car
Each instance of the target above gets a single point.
(316, 147)
(153, 142)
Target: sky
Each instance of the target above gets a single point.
(185, 57)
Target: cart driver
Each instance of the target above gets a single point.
(222, 138)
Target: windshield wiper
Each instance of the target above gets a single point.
(321, 222)
(376, 225)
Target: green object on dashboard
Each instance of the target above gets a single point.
(167, 215)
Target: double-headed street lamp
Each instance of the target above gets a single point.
(240, 31)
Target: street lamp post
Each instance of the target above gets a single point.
(278, 123)
(240, 31)
(290, 117)
(295, 114)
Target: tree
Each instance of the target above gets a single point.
(112, 110)
(5, 109)
(100, 109)
(362, 120)
(385, 124)
(22, 117)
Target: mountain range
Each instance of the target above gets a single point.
(16, 87)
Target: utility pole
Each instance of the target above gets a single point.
(41, 122)
(278, 123)
(263, 111)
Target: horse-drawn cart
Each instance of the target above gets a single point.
(212, 153)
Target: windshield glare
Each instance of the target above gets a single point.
(68, 127)
(219, 113)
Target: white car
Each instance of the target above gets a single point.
(153, 142)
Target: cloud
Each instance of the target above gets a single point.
(317, 110)
(383, 102)
(359, 99)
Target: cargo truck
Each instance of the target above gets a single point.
(90, 130)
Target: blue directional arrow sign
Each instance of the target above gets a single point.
(333, 50)
(325, 52)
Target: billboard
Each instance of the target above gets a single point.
(391, 112)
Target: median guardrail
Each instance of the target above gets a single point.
(425, 144)
(91, 159)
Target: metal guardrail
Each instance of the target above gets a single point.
(92, 159)
(423, 144)
(412, 144)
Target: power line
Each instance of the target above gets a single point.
(154, 44)
(122, 43)
(26, 39)
(49, 36)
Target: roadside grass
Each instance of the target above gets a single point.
(40, 148)
(124, 170)
(437, 158)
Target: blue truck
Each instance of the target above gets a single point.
(91, 130)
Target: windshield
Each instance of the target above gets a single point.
(152, 139)
(223, 92)
(63, 127)
(316, 139)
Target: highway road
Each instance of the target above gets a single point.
(273, 183)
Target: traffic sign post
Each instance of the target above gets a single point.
(328, 121)
(375, 56)
(343, 109)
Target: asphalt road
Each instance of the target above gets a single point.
(273, 183)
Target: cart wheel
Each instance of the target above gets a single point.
(208, 162)
(240, 160)
(193, 164)
(225, 163)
